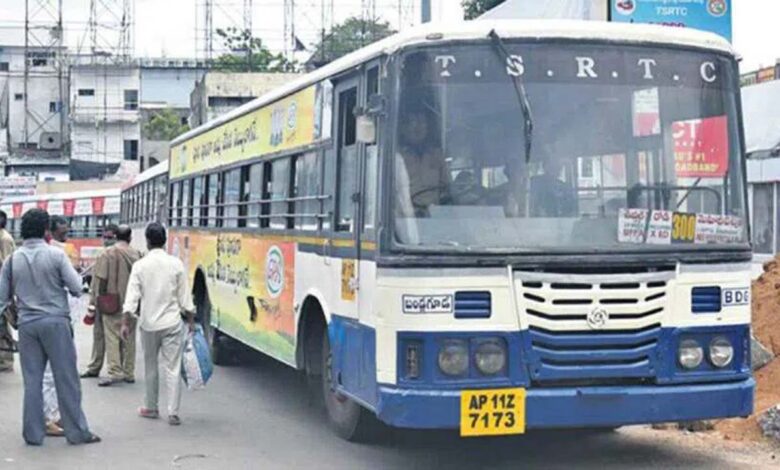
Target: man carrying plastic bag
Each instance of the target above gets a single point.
(196, 361)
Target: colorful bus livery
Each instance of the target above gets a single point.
(490, 227)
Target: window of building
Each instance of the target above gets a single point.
(131, 100)
(53, 107)
(228, 101)
(3, 66)
(86, 92)
(279, 187)
(18, 96)
(232, 196)
(131, 150)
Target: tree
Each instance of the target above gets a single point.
(249, 54)
(164, 125)
(349, 36)
(474, 8)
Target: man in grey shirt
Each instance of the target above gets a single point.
(41, 276)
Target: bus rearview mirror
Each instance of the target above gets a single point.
(366, 130)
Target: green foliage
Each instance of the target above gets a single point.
(474, 8)
(164, 125)
(349, 36)
(248, 54)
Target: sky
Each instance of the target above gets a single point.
(168, 27)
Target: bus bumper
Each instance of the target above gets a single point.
(578, 406)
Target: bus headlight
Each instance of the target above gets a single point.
(690, 354)
(454, 357)
(491, 356)
(721, 352)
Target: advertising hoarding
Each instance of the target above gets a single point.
(708, 15)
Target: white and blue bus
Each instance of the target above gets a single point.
(488, 226)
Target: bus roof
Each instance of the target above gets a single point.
(433, 33)
(146, 175)
(114, 192)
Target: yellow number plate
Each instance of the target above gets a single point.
(492, 412)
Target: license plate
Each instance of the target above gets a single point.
(492, 412)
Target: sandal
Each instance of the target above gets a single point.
(93, 439)
(174, 420)
(54, 430)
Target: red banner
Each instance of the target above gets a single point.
(44, 205)
(97, 205)
(69, 207)
(17, 210)
(701, 147)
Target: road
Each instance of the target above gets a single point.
(257, 415)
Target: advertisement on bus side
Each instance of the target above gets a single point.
(250, 285)
(286, 124)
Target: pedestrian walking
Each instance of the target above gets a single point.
(157, 293)
(7, 246)
(110, 277)
(98, 337)
(37, 275)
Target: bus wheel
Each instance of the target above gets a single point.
(348, 419)
(219, 355)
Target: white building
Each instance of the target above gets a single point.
(105, 119)
(33, 130)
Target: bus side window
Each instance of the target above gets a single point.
(230, 197)
(213, 214)
(265, 209)
(280, 182)
(243, 196)
(347, 161)
(197, 193)
(371, 160)
(254, 194)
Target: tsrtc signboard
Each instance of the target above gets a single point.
(708, 15)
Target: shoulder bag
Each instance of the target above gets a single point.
(108, 304)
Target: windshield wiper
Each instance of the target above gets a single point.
(522, 97)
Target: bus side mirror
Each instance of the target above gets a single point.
(366, 130)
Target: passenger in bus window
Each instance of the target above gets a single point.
(422, 178)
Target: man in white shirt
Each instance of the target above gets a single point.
(158, 285)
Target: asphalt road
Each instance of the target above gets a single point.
(258, 415)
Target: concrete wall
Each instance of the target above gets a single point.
(171, 86)
(222, 84)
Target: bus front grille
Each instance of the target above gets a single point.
(584, 327)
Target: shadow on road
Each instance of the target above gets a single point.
(283, 390)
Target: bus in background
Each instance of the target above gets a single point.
(485, 226)
(143, 201)
(87, 212)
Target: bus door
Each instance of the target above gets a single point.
(345, 243)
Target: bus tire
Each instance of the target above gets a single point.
(348, 419)
(217, 347)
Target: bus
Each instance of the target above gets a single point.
(143, 200)
(489, 227)
(87, 212)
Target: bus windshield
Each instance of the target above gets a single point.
(631, 147)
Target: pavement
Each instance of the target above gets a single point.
(257, 415)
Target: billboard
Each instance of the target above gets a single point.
(707, 15)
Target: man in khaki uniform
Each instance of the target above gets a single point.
(7, 246)
(98, 338)
(111, 276)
